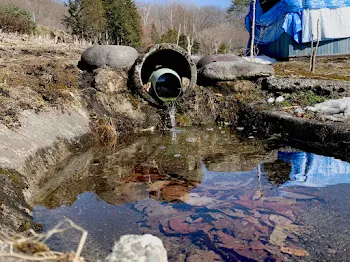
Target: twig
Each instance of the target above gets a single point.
(40, 256)
(314, 50)
(31, 258)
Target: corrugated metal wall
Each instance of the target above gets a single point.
(286, 47)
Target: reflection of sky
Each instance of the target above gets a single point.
(313, 170)
(106, 223)
(307, 169)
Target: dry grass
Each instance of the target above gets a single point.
(105, 132)
(36, 73)
(33, 248)
(334, 68)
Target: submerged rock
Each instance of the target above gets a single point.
(236, 68)
(135, 248)
(114, 56)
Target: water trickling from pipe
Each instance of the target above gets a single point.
(172, 112)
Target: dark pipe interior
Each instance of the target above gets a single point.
(165, 59)
(168, 86)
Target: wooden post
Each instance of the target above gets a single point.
(314, 50)
(252, 39)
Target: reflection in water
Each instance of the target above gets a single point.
(204, 194)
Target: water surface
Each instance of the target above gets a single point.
(210, 195)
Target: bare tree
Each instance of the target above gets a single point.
(145, 13)
(252, 37)
(208, 25)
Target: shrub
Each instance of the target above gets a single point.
(13, 19)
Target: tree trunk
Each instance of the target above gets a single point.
(252, 39)
(178, 35)
(314, 50)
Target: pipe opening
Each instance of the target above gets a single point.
(166, 85)
(163, 73)
(165, 58)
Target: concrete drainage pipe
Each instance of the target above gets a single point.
(163, 73)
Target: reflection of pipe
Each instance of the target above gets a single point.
(166, 84)
(167, 65)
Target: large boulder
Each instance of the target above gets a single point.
(205, 60)
(134, 248)
(114, 56)
(231, 69)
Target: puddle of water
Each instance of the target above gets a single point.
(209, 196)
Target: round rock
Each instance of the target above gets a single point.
(238, 68)
(135, 248)
(216, 58)
(114, 56)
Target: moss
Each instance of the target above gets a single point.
(14, 176)
(286, 103)
(308, 98)
(254, 95)
(183, 120)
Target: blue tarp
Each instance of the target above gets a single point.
(313, 170)
(285, 16)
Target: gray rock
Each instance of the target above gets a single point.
(279, 99)
(271, 100)
(196, 58)
(114, 56)
(299, 112)
(134, 248)
(333, 107)
(216, 58)
(326, 87)
(238, 68)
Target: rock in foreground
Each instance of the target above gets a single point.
(114, 56)
(134, 248)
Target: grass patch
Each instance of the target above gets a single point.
(326, 68)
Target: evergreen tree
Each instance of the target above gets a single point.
(154, 34)
(222, 48)
(74, 19)
(123, 22)
(183, 41)
(239, 8)
(196, 47)
(169, 37)
(132, 24)
(93, 18)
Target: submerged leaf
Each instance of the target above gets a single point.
(294, 250)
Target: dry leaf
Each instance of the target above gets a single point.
(280, 220)
(278, 237)
(294, 250)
